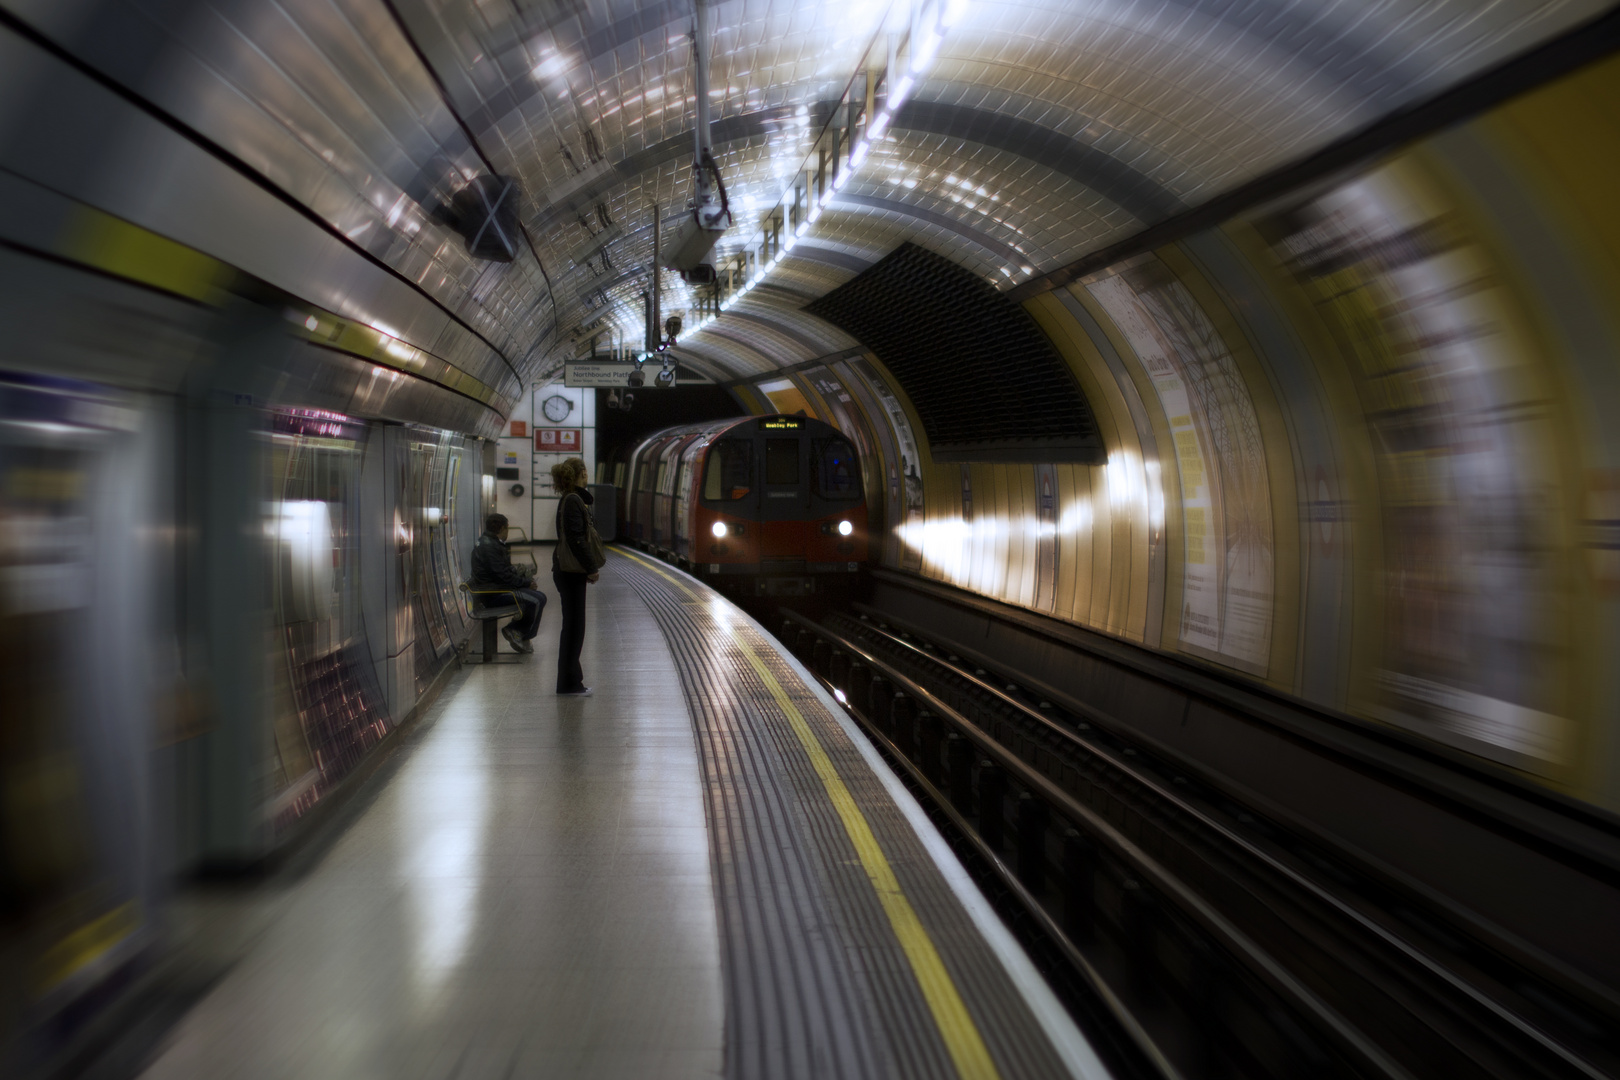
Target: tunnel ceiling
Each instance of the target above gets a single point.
(1040, 132)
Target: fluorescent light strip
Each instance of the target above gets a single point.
(922, 55)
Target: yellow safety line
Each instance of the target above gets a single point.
(85, 945)
(956, 1026)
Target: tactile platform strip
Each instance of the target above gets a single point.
(818, 982)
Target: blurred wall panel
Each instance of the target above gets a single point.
(400, 627)
(228, 593)
(1472, 634)
(1359, 447)
(79, 871)
(1317, 439)
(209, 574)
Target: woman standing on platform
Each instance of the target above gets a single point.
(575, 564)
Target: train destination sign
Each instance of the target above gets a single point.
(609, 374)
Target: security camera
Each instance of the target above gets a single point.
(627, 400)
(672, 327)
(665, 378)
(635, 378)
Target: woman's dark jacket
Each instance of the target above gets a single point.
(574, 527)
(492, 566)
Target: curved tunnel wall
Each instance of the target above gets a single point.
(1359, 445)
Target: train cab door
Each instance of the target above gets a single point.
(785, 488)
(641, 500)
(681, 508)
(676, 465)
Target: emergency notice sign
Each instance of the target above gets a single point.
(557, 440)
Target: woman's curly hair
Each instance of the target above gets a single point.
(567, 474)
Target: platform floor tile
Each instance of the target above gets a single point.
(528, 895)
(853, 945)
(701, 871)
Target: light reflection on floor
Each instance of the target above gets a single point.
(529, 894)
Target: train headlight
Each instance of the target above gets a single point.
(719, 529)
(845, 528)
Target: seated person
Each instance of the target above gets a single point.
(492, 569)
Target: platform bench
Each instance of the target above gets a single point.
(489, 616)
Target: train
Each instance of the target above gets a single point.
(763, 505)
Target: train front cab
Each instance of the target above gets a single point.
(778, 507)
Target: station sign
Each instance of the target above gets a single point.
(609, 374)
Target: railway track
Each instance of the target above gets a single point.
(1209, 938)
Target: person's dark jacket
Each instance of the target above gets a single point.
(574, 527)
(492, 568)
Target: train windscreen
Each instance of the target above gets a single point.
(781, 461)
(731, 470)
(835, 473)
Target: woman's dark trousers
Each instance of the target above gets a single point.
(571, 594)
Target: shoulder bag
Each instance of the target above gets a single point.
(566, 560)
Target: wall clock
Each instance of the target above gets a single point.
(556, 407)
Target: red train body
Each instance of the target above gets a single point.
(765, 504)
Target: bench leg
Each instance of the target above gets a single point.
(489, 639)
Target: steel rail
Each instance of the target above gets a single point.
(1270, 861)
(1350, 1039)
(1009, 880)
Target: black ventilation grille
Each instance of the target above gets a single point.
(987, 384)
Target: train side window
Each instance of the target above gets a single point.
(781, 461)
(730, 474)
(834, 470)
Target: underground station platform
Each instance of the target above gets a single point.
(703, 869)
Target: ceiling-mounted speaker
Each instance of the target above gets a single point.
(485, 212)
